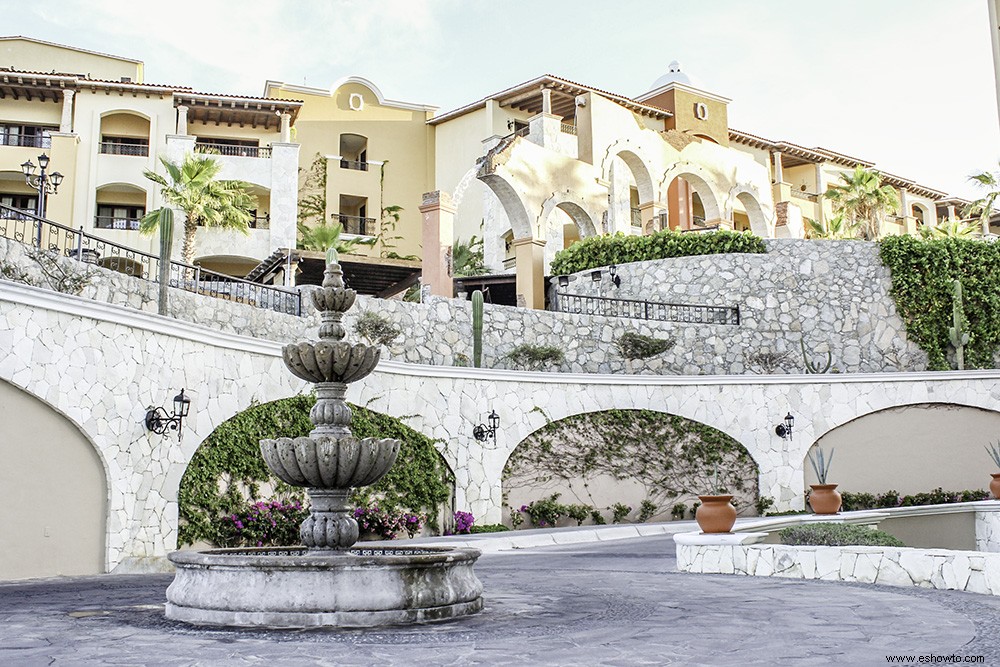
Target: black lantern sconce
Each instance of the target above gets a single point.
(564, 281)
(784, 429)
(481, 431)
(616, 280)
(158, 421)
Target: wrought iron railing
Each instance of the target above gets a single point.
(29, 229)
(113, 222)
(26, 140)
(356, 165)
(115, 148)
(229, 149)
(354, 224)
(582, 304)
(567, 128)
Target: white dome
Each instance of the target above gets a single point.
(674, 75)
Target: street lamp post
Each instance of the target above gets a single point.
(45, 183)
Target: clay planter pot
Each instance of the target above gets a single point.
(715, 514)
(824, 499)
(995, 485)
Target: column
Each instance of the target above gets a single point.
(909, 222)
(438, 238)
(286, 128)
(182, 120)
(951, 212)
(679, 204)
(530, 257)
(820, 192)
(779, 174)
(66, 123)
(547, 100)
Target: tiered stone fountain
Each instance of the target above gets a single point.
(326, 582)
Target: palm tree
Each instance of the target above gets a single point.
(836, 228)
(863, 200)
(467, 258)
(192, 187)
(327, 238)
(983, 207)
(949, 228)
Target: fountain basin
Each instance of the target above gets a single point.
(295, 587)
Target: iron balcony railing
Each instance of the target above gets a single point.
(567, 128)
(356, 165)
(29, 229)
(112, 222)
(260, 222)
(115, 148)
(354, 224)
(646, 310)
(229, 149)
(25, 140)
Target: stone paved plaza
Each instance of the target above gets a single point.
(603, 603)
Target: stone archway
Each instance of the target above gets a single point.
(749, 197)
(911, 448)
(628, 456)
(700, 182)
(53, 492)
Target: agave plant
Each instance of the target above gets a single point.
(821, 463)
(994, 450)
(837, 228)
(949, 228)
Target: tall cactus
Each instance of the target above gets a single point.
(477, 328)
(957, 335)
(815, 368)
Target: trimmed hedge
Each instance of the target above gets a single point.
(837, 535)
(597, 251)
(922, 276)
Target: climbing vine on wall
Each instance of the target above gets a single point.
(922, 277)
(669, 456)
(596, 251)
(227, 469)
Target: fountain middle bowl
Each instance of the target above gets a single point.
(293, 587)
(330, 361)
(329, 462)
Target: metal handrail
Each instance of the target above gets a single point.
(354, 224)
(26, 140)
(115, 222)
(583, 304)
(356, 165)
(115, 148)
(30, 229)
(231, 150)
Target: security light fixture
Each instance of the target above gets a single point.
(481, 432)
(784, 429)
(158, 421)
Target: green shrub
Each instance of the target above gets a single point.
(262, 524)
(678, 511)
(578, 513)
(636, 346)
(646, 510)
(923, 274)
(837, 535)
(596, 251)
(375, 328)
(546, 512)
(597, 517)
(489, 528)
(619, 511)
(763, 504)
(869, 501)
(534, 357)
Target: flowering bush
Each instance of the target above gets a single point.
(387, 523)
(263, 524)
(463, 522)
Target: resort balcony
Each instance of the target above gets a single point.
(357, 225)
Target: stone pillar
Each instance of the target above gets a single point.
(438, 239)
(679, 204)
(779, 174)
(820, 192)
(66, 123)
(951, 212)
(546, 100)
(906, 213)
(286, 128)
(530, 257)
(543, 129)
(182, 120)
(648, 212)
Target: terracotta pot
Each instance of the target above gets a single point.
(995, 485)
(824, 499)
(715, 514)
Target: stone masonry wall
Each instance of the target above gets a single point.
(831, 294)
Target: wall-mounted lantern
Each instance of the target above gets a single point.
(616, 280)
(159, 422)
(784, 429)
(481, 431)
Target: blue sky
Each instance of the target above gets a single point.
(905, 83)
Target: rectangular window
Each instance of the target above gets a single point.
(30, 136)
(118, 216)
(20, 203)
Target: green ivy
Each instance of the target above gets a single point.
(670, 456)
(922, 276)
(597, 251)
(228, 469)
